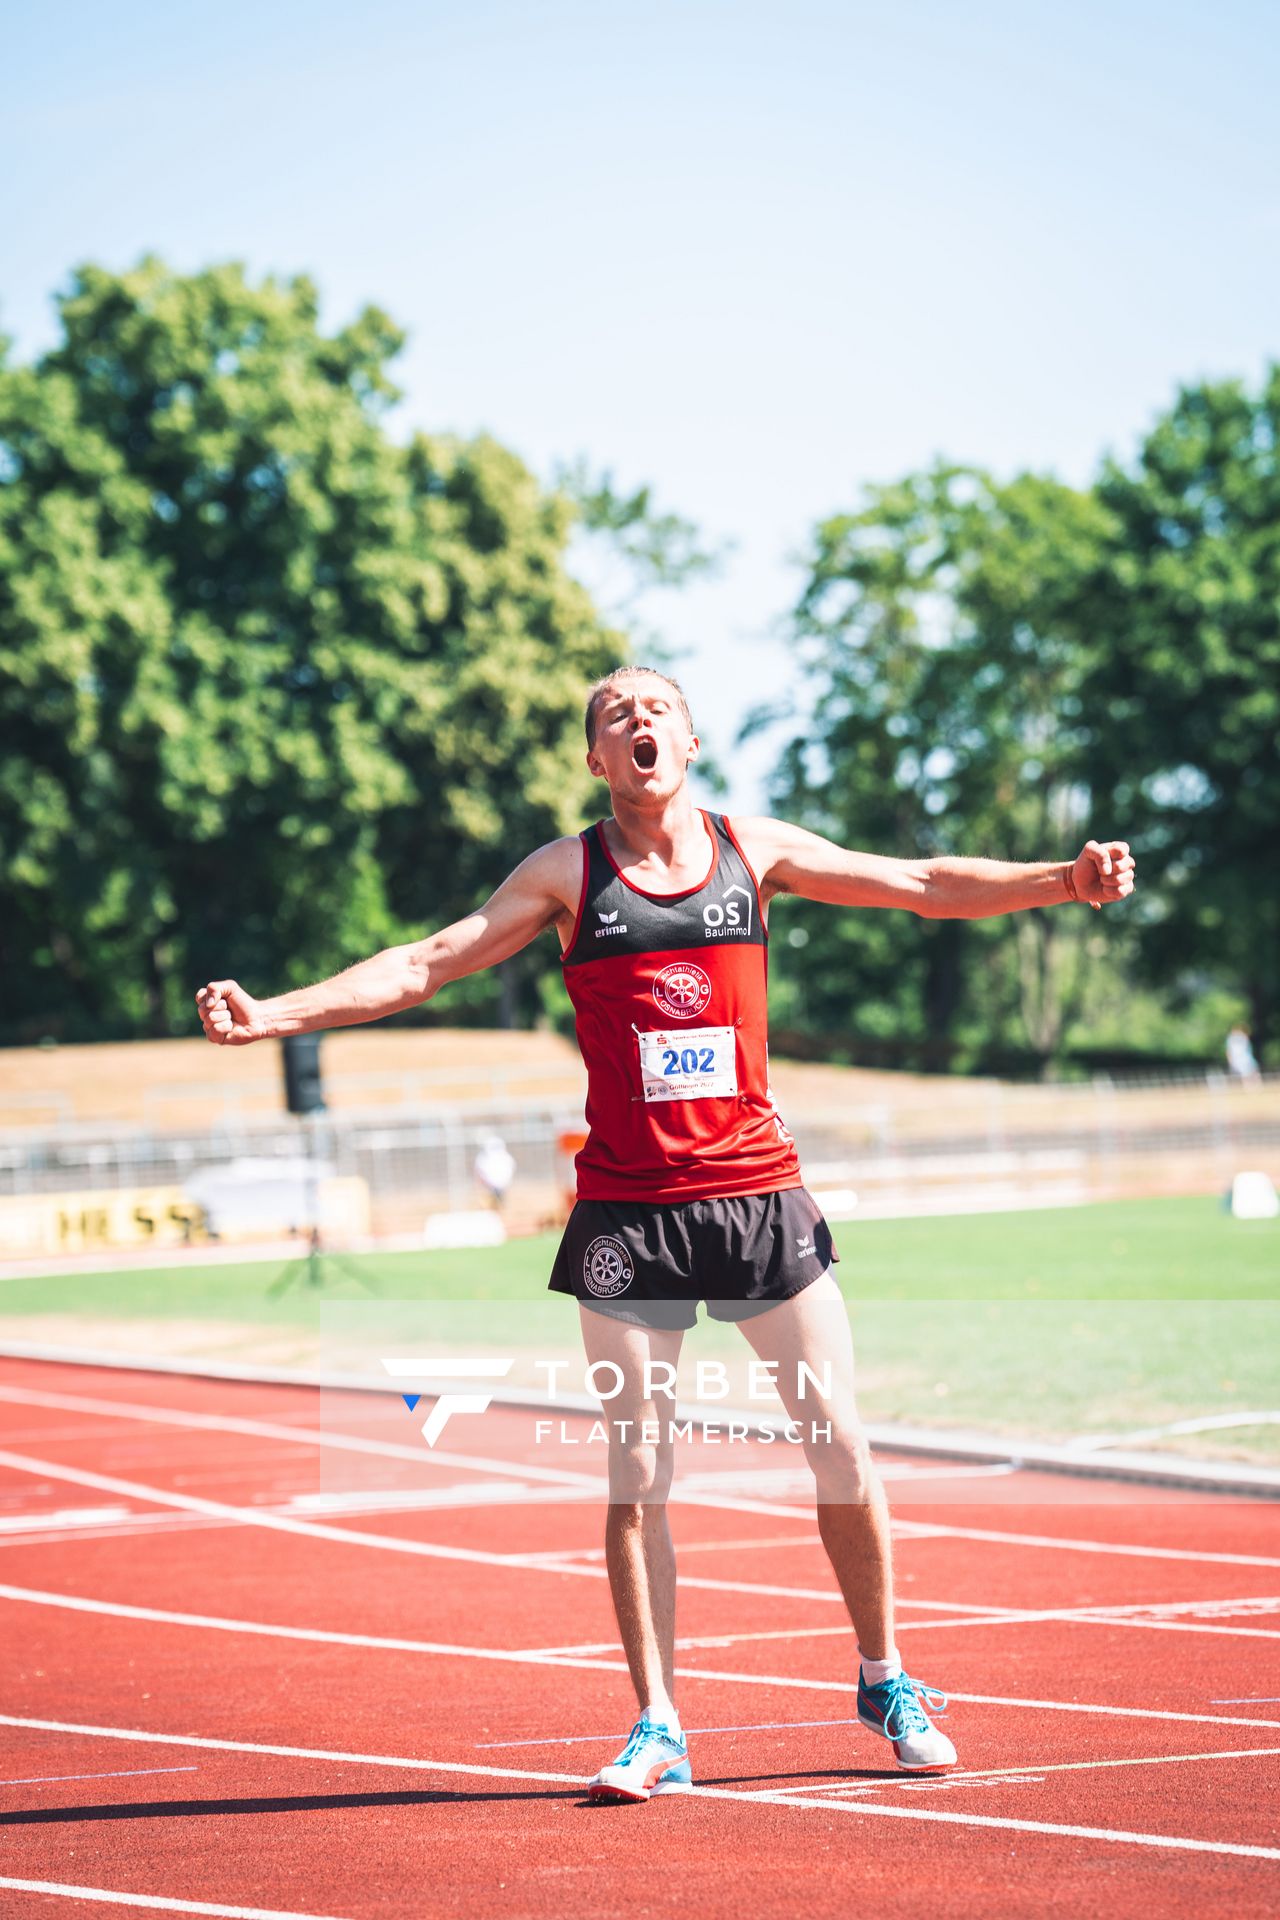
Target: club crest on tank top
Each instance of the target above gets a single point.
(669, 994)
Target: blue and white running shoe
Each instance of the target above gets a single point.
(895, 1709)
(654, 1760)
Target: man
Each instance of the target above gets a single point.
(689, 1186)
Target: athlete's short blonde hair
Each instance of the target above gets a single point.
(631, 673)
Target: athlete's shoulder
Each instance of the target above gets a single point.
(554, 862)
(762, 840)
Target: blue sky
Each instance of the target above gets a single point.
(756, 255)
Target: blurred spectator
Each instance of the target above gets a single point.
(495, 1169)
(1241, 1064)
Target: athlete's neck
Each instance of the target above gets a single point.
(668, 837)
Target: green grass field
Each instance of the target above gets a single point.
(1103, 1319)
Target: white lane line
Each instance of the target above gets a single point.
(590, 1739)
(219, 1623)
(596, 1482)
(972, 1615)
(1032, 1770)
(120, 1773)
(928, 1530)
(870, 1809)
(310, 1438)
(452, 1650)
(906, 1529)
(157, 1904)
(261, 1517)
(809, 1539)
(349, 1536)
(61, 1519)
(687, 1641)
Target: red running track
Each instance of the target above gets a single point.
(267, 1654)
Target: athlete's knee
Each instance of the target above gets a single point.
(840, 1456)
(639, 1473)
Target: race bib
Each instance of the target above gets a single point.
(696, 1063)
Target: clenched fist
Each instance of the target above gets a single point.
(1104, 871)
(230, 1016)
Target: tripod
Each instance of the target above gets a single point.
(317, 1258)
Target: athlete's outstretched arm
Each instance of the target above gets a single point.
(542, 889)
(791, 860)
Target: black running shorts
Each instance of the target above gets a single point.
(651, 1264)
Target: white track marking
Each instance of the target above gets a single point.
(119, 1773)
(309, 1437)
(869, 1809)
(59, 1521)
(928, 1530)
(1130, 1614)
(687, 1546)
(451, 1650)
(387, 1449)
(261, 1517)
(906, 1529)
(689, 1641)
(265, 1518)
(218, 1623)
(588, 1739)
(1031, 1772)
(347, 1536)
(155, 1902)
(1091, 1766)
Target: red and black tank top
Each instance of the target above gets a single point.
(669, 990)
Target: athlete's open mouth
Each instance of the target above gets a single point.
(645, 753)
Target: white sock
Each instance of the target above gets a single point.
(663, 1713)
(876, 1672)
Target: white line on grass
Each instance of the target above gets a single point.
(450, 1650)
(156, 1903)
(871, 1809)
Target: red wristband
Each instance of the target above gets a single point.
(1069, 884)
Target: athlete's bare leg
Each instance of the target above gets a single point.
(853, 1515)
(638, 1549)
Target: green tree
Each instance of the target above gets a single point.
(274, 688)
(943, 636)
(1006, 669)
(1185, 684)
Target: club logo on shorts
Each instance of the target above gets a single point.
(682, 990)
(606, 1267)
